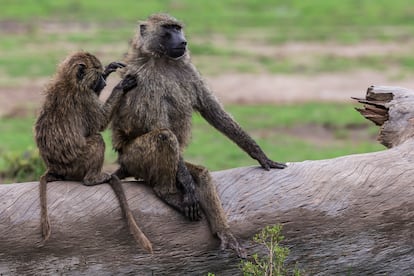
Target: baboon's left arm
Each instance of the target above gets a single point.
(213, 112)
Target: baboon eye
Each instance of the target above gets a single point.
(81, 71)
(172, 27)
(142, 29)
(167, 35)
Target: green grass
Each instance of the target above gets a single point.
(105, 28)
(271, 126)
(227, 15)
(41, 33)
(16, 133)
(16, 137)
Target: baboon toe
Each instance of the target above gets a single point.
(229, 241)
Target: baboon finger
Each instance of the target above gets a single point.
(114, 65)
(187, 212)
(191, 212)
(195, 212)
(277, 165)
(120, 64)
(268, 164)
(128, 83)
(199, 216)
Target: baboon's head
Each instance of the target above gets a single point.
(161, 35)
(84, 71)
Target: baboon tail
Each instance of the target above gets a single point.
(44, 220)
(132, 224)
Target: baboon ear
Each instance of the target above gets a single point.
(142, 29)
(81, 71)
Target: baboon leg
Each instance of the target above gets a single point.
(44, 216)
(211, 205)
(161, 166)
(209, 199)
(170, 179)
(158, 151)
(94, 158)
(132, 224)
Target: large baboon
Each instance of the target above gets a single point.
(67, 131)
(152, 126)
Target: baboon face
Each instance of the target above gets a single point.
(173, 40)
(86, 71)
(97, 83)
(163, 35)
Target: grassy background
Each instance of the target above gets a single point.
(36, 35)
(40, 33)
(286, 133)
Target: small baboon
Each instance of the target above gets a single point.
(152, 126)
(67, 131)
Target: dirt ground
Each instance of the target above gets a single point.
(240, 89)
(249, 88)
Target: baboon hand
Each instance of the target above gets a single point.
(128, 83)
(191, 207)
(229, 241)
(112, 67)
(268, 164)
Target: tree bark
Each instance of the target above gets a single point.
(348, 215)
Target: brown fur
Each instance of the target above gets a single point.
(169, 90)
(67, 133)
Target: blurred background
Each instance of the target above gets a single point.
(285, 69)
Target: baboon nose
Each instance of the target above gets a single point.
(162, 137)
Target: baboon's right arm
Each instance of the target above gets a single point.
(112, 67)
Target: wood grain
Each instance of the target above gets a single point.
(353, 214)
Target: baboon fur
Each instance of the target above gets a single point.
(152, 127)
(67, 131)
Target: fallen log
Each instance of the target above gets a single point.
(348, 215)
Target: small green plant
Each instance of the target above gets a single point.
(273, 263)
(27, 166)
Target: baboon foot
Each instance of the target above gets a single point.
(191, 207)
(97, 179)
(229, 241)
